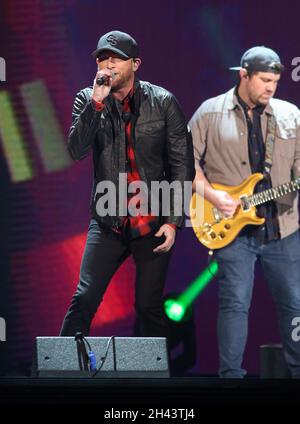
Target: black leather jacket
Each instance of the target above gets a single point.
(161, 140)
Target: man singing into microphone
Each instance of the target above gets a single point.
(138, 130)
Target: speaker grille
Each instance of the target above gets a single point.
(129, 357)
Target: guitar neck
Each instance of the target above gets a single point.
(274, 193)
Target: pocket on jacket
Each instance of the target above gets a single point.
(153, 128)
(286, 138)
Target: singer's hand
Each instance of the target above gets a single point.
(101, 91)
(169, 233)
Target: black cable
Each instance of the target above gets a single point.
(105, 355)
(83, 358)
(86, 341)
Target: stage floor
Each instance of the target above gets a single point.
(169, 392)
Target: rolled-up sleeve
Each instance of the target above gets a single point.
(198, 125)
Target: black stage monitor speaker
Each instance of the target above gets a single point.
(272, 362)
(114, 357)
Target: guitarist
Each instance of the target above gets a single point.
(236, 134)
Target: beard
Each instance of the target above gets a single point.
(120, 82)
(261, 100)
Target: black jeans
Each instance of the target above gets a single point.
(104, 253)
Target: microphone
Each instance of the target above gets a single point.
(103, 79)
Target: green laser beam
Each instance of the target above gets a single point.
(175, 309)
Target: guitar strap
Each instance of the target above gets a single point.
(269, 146)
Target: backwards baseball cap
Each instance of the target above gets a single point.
(260, 59)
(118, 42)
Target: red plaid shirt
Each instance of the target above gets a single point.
(139, 225)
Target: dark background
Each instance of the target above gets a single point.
(186, 47)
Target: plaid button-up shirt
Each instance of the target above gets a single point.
(141, 224)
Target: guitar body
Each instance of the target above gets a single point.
(215, 231)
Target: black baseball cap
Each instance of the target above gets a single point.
(260, 59)
(117, 42)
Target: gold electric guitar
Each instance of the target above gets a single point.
(214, 230)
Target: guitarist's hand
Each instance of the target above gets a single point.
(225, 203)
